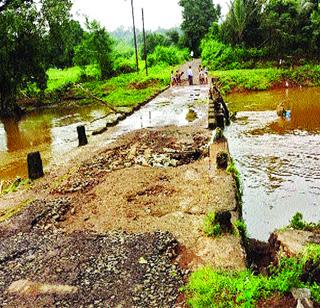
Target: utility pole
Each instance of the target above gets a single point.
(135, 37)
(144, 42)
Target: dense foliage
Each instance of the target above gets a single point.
(198, 15)
(96, 47)
(261, 33)
(25, 29)
(263, 79)
(36, 36)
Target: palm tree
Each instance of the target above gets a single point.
(239, 15)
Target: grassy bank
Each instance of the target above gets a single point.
(128, 90)
(264, 79)
(125, 90)
(212, 288)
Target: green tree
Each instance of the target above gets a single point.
(63, 32)
(242, 24)
(62, 41)
(173, 36)
(315, 21)
(287, 25)
(24, 26)
(198, 15)
(153, 39)
(96, 47)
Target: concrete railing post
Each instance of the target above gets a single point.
(82, 135)
(35, 167)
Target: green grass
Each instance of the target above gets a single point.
(128, 90)
(125, 90)
(213, 288)
(263, 79)
(57, 78)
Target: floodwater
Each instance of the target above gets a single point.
(53, 131)
(278, 158)
(50, 131)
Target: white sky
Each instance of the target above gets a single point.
(115, 13)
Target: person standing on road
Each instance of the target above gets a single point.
(173, 79)
(206, 72)
(190, 76)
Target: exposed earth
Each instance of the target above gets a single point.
(118, 224)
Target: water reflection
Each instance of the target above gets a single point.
(278, 159)
(51, 131)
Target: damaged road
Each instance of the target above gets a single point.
(119, 224)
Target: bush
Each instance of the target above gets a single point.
(168, 55)
(241, 227)
(217, 55)
(232, 169)
(122, 65)
(298, 223)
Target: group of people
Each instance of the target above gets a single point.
(203, 76)
(176, 78)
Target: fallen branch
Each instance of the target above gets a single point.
(97, 98)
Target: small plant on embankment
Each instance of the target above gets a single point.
(240, 228)
(210, 227)
(222, 160)
(233, 170)
(298, 223)
(13, 186)
(218, 136)
(213, 288)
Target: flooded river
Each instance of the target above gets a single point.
(278, 158)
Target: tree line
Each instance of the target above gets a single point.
(37, 35)
(252, 31)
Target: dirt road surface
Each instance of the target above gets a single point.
(118, 223)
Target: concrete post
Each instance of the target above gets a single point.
(35, 168)
(82, 135)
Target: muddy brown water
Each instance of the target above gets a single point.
(278, 158)
(53, 131)
(50, 131)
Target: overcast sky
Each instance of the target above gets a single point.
(115, 13)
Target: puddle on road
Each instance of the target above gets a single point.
(278, 158)
(53, 131)
(191, 116)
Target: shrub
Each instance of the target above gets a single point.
(232, 169)
(241, 228)
(168, 55)
(222, 160)
(298, 223)
(122, 65)
(217, 55)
